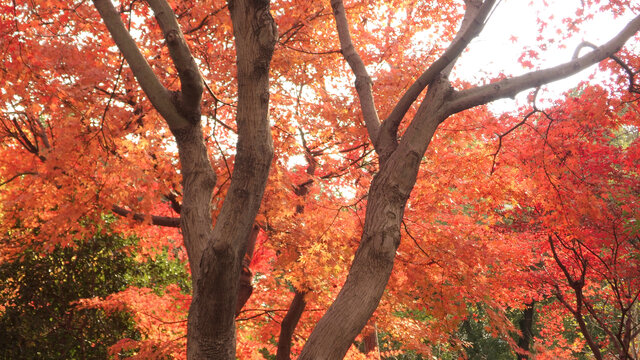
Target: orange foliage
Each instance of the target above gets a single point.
(79, 136)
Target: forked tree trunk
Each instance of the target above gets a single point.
(373, 261)
(400, 161)
(215, 254)
(211, 325)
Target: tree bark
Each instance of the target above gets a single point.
(215, 254)
(373, 260)
(370, 340)
(211, 325)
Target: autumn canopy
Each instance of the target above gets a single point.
(329, 176)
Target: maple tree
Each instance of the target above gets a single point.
(584, 169)
(90, 128)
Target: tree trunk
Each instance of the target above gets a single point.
(215, 254)
(211, 325)
(373, 261)
(526, 327)
(289, 325)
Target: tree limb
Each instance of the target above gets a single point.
(157, 93)
(363, 80)
(190, 79)
(155, 220)
(173, 199)
(16, 176)
(574, 284)
(630, 73)
(216, 254)
(480, 95)
(513, 128)
(475, 17)
(577, 286)
(288, 325)
(615, 339)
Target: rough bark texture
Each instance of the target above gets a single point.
(215, 254)
(374, 258)
(155, 91)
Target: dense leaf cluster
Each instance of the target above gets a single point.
(40, 318)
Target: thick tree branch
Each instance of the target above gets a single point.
(255, 37)
(574, 284)
(472, 24)
(155, 220)
(190, 79)
(480, 95)
(633, 88)
(157, 93)
(173, 199)
(363, 80)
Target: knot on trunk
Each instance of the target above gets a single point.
(267, 32)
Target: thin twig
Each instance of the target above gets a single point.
(17, 176)
(500, 136)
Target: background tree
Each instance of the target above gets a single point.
(583, 162)
(41, 317)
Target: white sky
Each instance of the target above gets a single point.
(494, 51)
